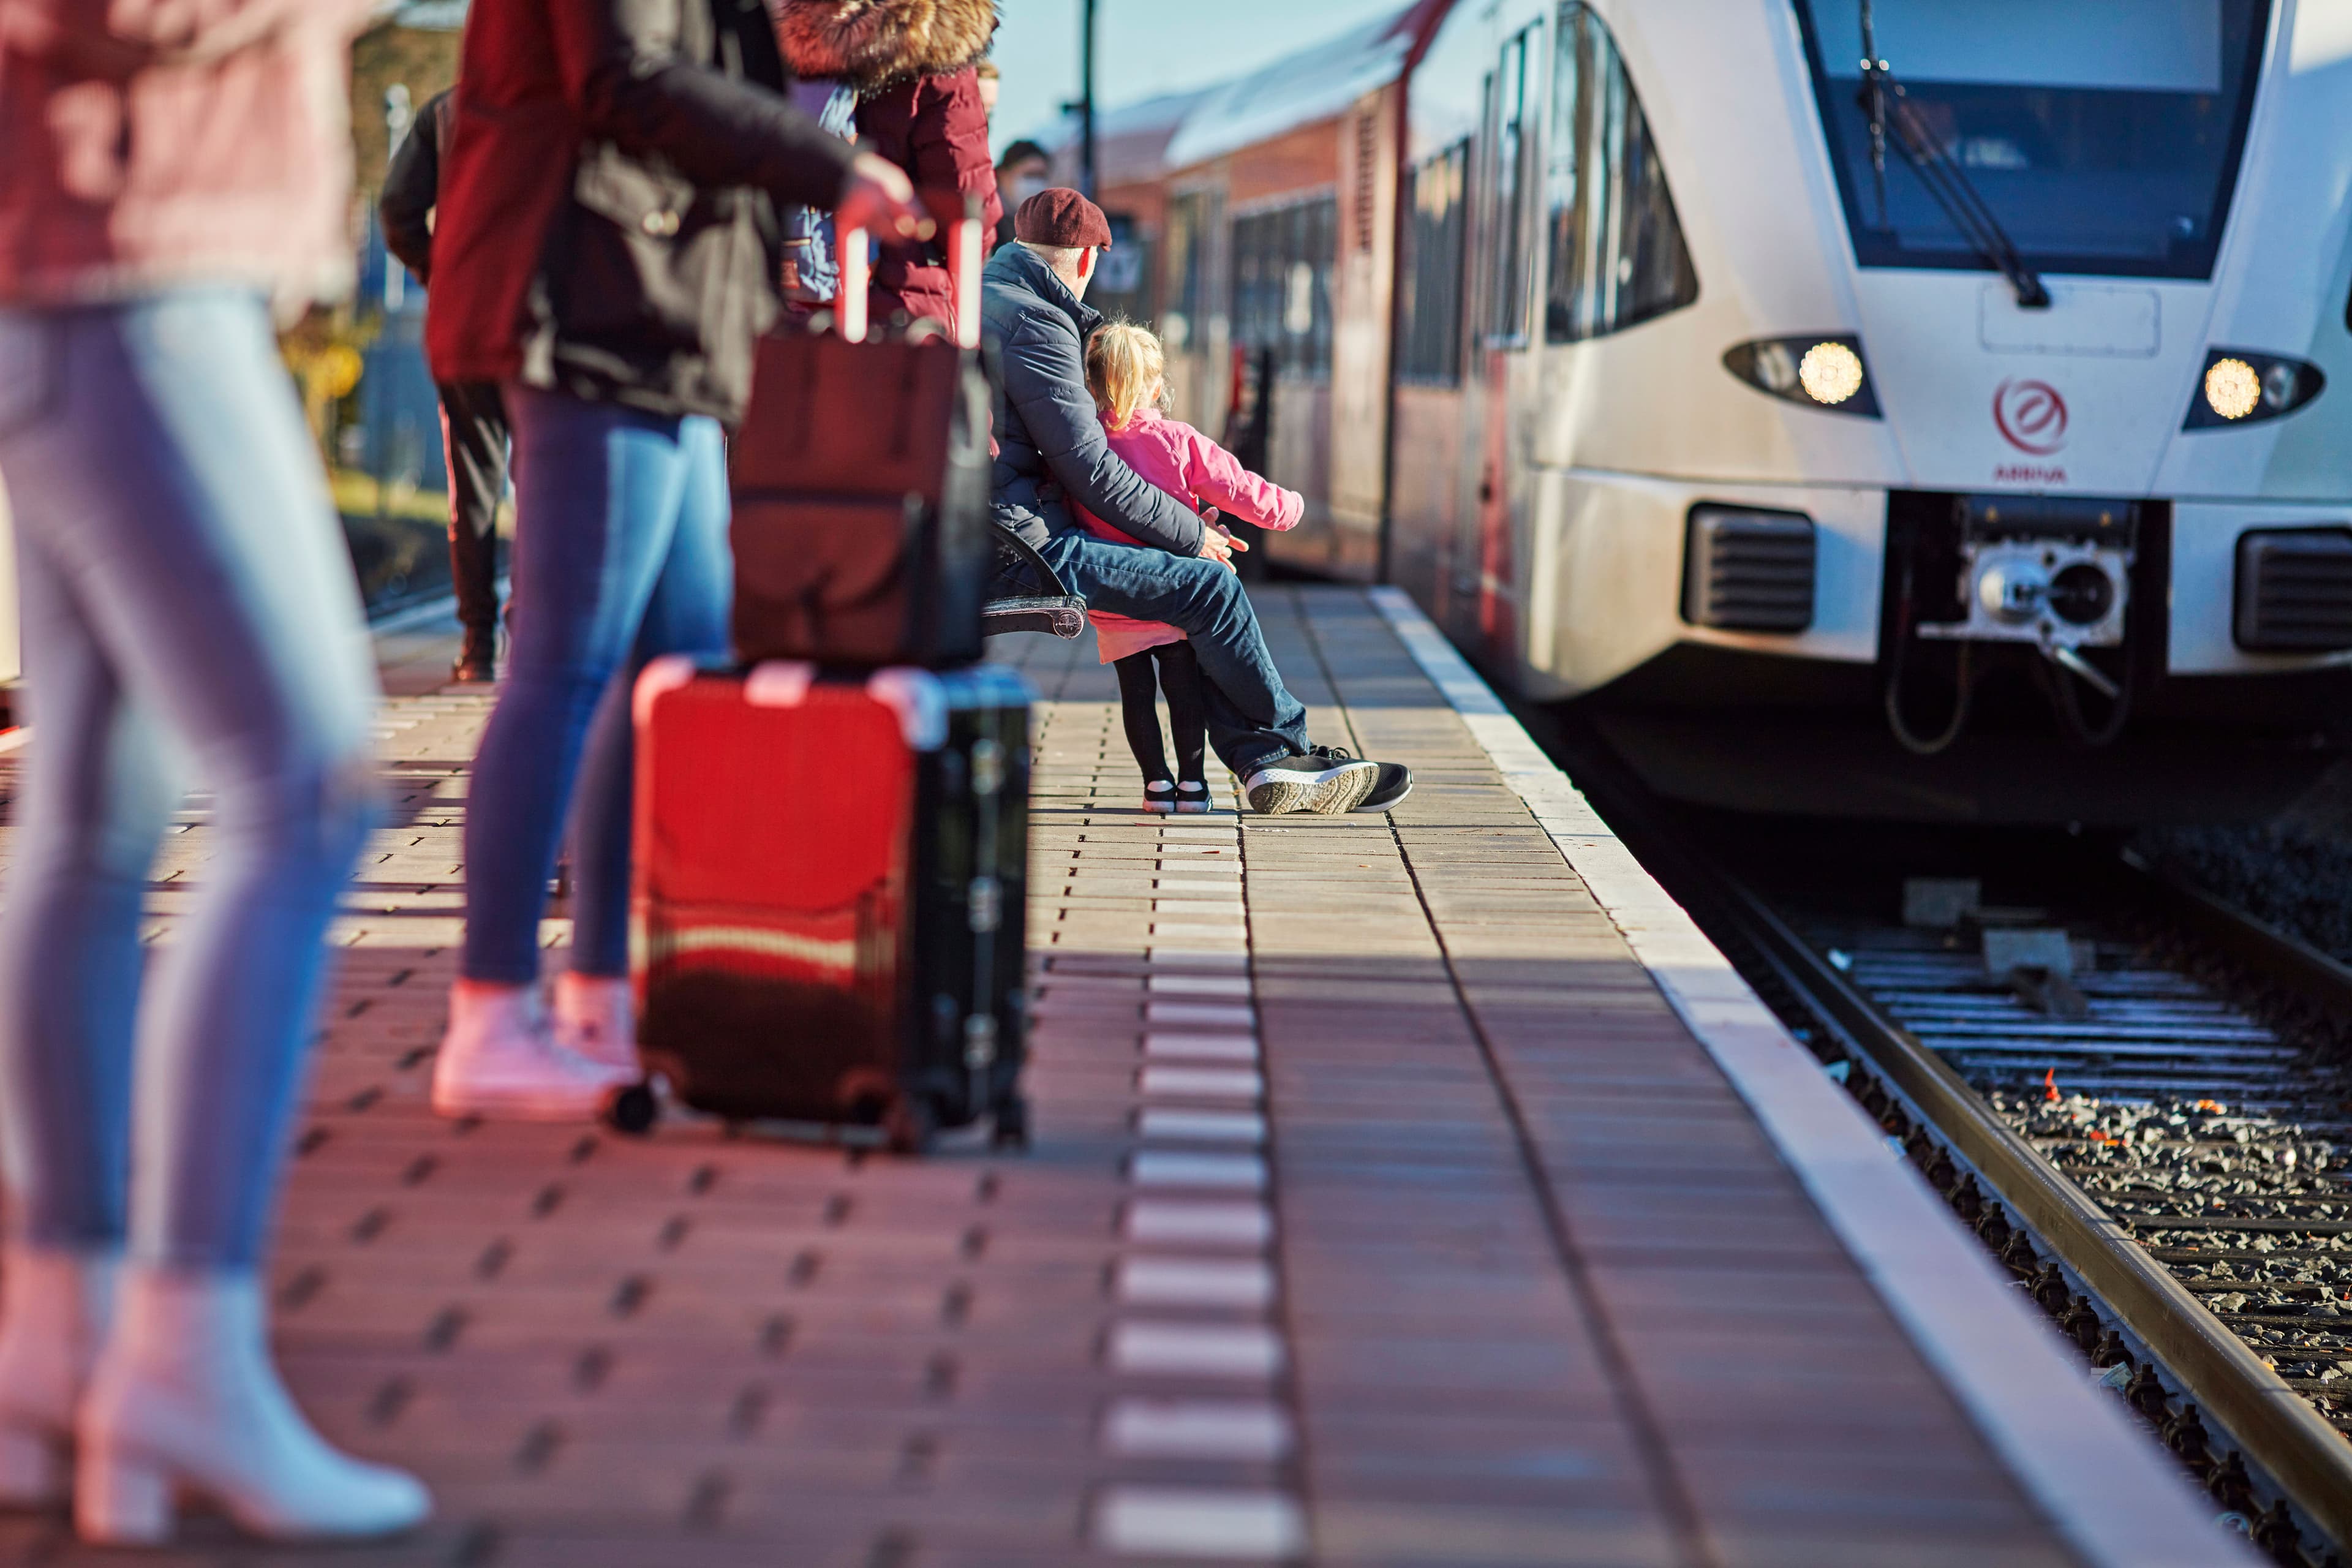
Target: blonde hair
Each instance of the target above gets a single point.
(1125, 370)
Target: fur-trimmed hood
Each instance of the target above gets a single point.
(872, 43)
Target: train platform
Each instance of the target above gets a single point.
(1418, 1190)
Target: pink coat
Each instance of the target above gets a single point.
(1177, 459)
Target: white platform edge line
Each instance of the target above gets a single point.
(425, 613)
(2099, 1477)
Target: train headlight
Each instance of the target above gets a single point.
(2241, 387)
(1824, 371)
(2232, 388)
(1830, 372)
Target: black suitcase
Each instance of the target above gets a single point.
(830, 889)
(860, 479)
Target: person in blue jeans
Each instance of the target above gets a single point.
(1051, 451)
(607, 248)
(189, 618)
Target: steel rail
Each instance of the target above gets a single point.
(2257, 1411)
(2270, 1421)
(2287, 960)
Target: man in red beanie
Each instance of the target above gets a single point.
(1052, 452)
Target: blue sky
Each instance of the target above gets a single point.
(1147, 46)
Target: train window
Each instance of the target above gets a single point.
(1512, 90)
(2105, 139)
(1432, 350)
(1617, 251)
(1282, 281)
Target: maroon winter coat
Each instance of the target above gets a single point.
(935, 128)
(918, 105)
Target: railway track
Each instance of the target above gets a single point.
(2151, 1126)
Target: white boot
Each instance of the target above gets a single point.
(185, 1400)
(499, 1062)
(596, 1017)
(55, 1306)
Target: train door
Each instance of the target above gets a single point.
(1483, 590)
(1425, 458)
(1362, 310)
(1284, 247)
(1602, 560)
(1194, 320)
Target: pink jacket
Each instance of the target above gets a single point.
(149, 142)
(1177, 459)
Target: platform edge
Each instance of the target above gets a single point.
(2099, 1479)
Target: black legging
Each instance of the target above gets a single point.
(1178, 678)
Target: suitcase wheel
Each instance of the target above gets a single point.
(912, 1125)
(1011, 1124)
(633, 1109)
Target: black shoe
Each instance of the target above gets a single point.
(478, 660)
(1314, 781)
(1394, 783)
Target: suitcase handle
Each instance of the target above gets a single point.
(963, 267)
(965, 246)
(856, 260)
(961, 237)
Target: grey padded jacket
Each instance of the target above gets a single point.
(1050, 445)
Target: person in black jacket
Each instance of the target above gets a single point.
(1051, 451)
(607, 248)
(473, 416)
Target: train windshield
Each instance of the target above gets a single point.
(2103, 135)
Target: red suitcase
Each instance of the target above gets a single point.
(830, 890)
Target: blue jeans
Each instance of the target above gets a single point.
(1252, 718)
(188, 612)
(620, 555)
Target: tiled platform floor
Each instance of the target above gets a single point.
(1382, 1212)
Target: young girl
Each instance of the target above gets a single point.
(1125, 371)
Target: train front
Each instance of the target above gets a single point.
(2088, 267)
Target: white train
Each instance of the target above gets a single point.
(1996, 392)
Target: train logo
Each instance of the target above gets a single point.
(2031, 416)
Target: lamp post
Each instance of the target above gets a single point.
(1087, 100)
(399, 114)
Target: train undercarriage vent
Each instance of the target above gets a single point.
(2294, 590)
(1747, 570)
(2051, 573)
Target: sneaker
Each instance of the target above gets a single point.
(1192, 798)
(1320, 781)
(1158, 796)
(499, 1062)
(595, 1018)
(1394, 784)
